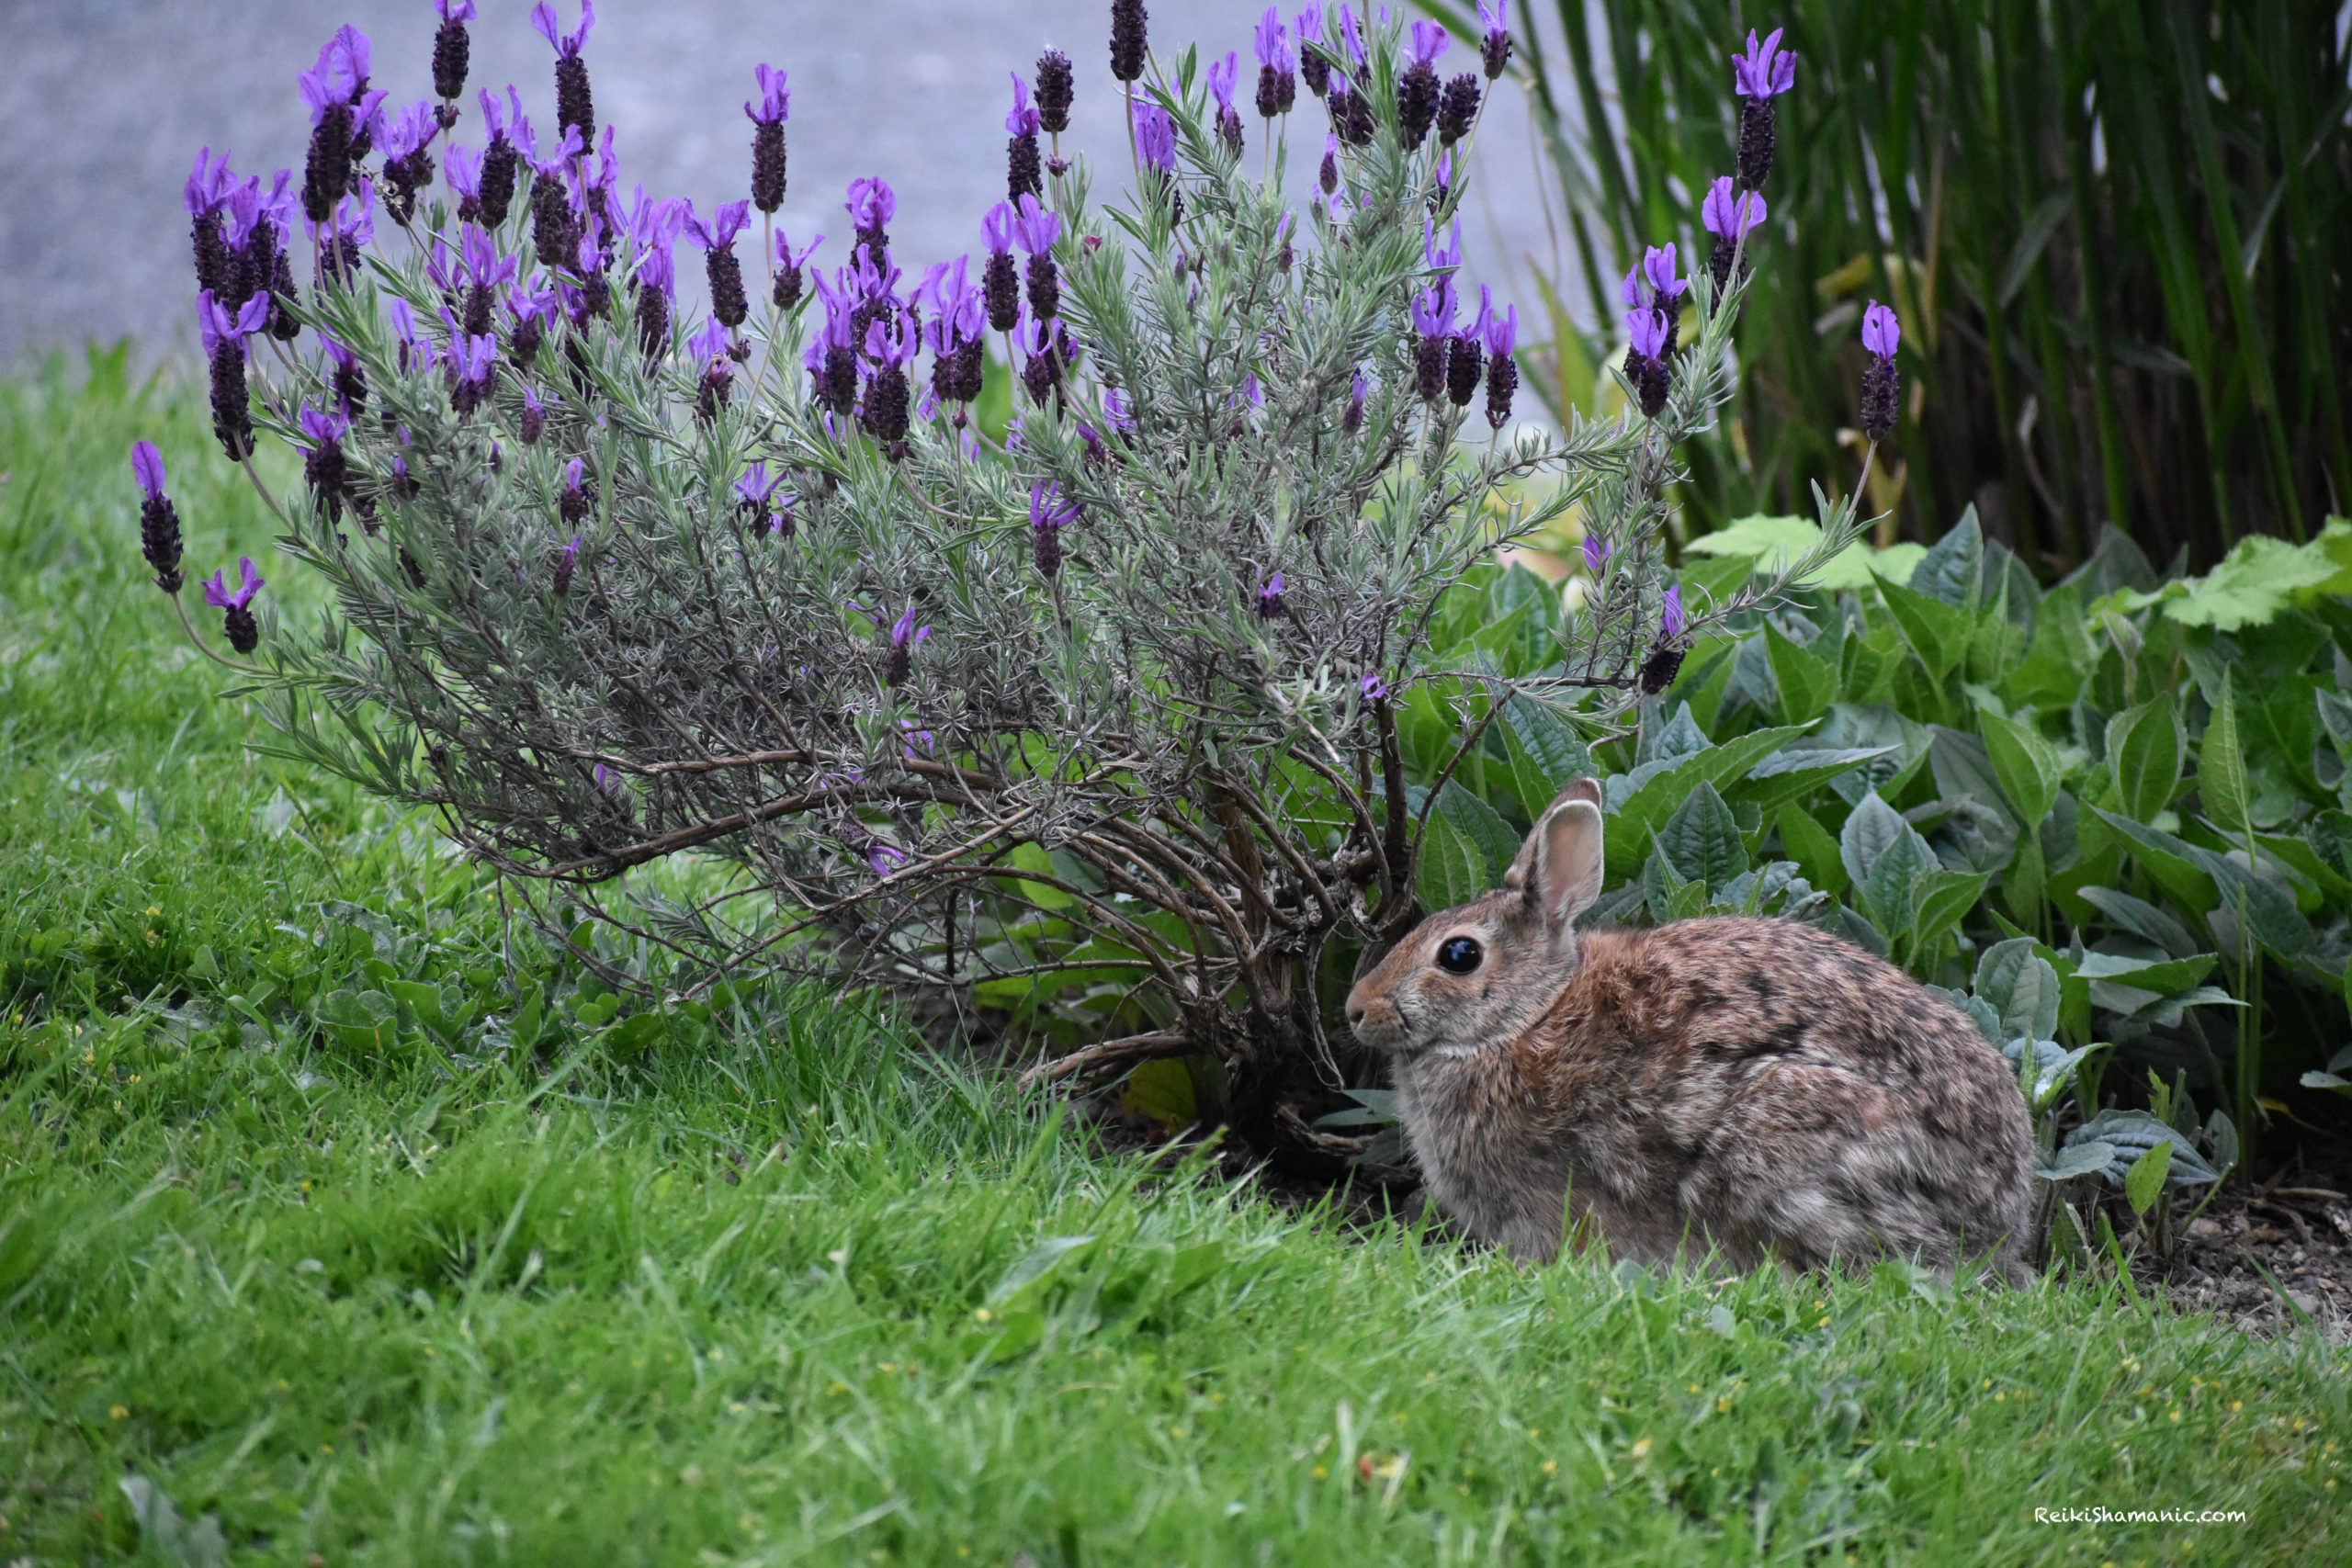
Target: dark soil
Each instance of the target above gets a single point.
(2296, 1222)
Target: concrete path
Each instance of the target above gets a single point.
(104, 103)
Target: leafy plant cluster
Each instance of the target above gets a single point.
(2111, 816)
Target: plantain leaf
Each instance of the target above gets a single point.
(1703, 841)
(2145, 754)
(2026, 763)
(2221, 766)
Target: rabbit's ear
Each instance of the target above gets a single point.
(1565, 859)
(1578, 789)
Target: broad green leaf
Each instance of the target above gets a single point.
(1807, 681)
(1871, 827)
(2131, 1134)
(2079, 1159)
(2060, 658)
(2258, 581)
(1452, 870)
(1951, 571)
(1963, 767)
(2336, 716)
(2175, 865)
(1794, 771)
(1809, 844)
(2026, 765)
(2140, 918)
(2221, 766)
(2021, 987)
(1941, 898)
(1482, 829)
(1890, 893)
(1936, 633)
(1544, 753)
(1678, 737)
(2144, 752)
(1702, 841)
(1650, 805)
(2146, 1177)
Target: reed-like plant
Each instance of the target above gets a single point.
(2118, 228)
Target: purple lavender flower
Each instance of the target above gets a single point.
(1036, 230)
(414, 353)
(533, 422)
(1223, 75)
(1129, 38)
(1759, 75)
(159, 521)
(224, 349)
(872, 204)
(532, 307)
(1352, 419)
(573, 502)
(335, 90)
(1418, 92)
(452, 54)
(1646, 366)
(1672, 622)
(502, 157)
(1729, 215)
(1432, 315)
(205, 195)
(349, 232)
(713, 349)
(463, 166)
(1328, 176)
(407, 146)
(889, 349)
(1371, 688)
(1048, 515)
(1882, 334)
(881, 858)
(1502, 370)
(900, 643)
(1314, 65)
(1464, 353)
(237, 619)
(1056, 92)
(789, 279)
(753, 498)
(1156, 138)
(1350, 37)
(574, 109)
(1494, 49)
(1596, 556)
(1457, 111)
(1268, 600)
(567, 562)
(1023, 173)
(768, 115)
(1277, 66)
(470, 364)
(716, 240)
(324, 467)
(954, 324)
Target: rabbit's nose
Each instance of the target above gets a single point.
(1355, 1013)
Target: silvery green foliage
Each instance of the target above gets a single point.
(1149, 770)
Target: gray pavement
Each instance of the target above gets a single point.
(104, 103)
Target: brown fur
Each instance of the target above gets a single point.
(1756, 1086)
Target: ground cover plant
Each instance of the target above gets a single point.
(279, 1285)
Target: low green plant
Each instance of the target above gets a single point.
(2116, 807)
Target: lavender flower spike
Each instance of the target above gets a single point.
(1728, 214)
(1494, 49)
(1758, 77)
(237, 620)
(1268, 601)
(1024, 171)
(768, 115)
(1672, 622)
(1156, 138)
(1048, 515)
(1502, 370)
(159, 521)
(1277, 66)
(573, 106)
(1596, 554)
(1882, 334)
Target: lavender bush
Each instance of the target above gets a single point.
(1106, 714)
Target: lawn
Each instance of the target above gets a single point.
(501, 1277)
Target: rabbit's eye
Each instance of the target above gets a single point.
(1460, 955)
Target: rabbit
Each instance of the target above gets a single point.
(1757, 1086)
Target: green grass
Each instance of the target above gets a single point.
(558, 1289)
